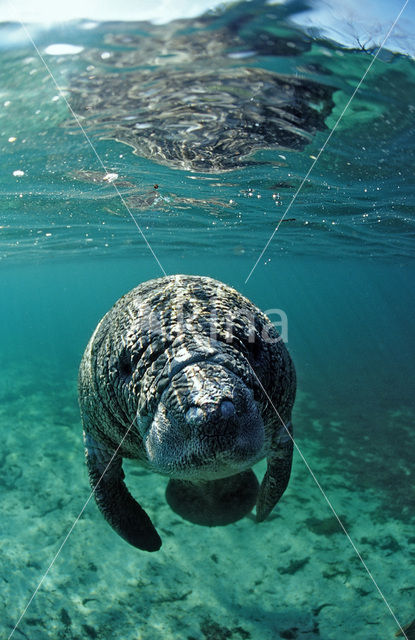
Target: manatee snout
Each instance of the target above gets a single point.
(227, 409)
(207, 422)
(198, 416)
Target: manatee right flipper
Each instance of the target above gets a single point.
(115, 502)
(278, 472)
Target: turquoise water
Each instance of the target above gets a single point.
(341, 267)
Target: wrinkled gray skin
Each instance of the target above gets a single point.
(174, 377)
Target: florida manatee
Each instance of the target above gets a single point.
(190, 379)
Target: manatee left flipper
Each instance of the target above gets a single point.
(115, 502)
(277, 474)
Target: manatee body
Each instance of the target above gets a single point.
(190, 379)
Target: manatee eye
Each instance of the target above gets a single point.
(124, 365)
(254, 349)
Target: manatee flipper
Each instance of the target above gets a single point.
(277, 474)
(115, 502)
(215, 502)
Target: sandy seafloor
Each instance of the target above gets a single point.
(294, 576)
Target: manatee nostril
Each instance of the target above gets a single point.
(194, 415)
(227, 409)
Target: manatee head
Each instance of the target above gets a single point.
(206, 425)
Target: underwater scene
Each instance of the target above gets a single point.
(267, 145)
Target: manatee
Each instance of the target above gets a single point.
(190, 379)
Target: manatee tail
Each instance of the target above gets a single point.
(116, 504)
(215, 502)
(277, 474)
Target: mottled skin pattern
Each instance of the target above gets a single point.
(174, 371)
